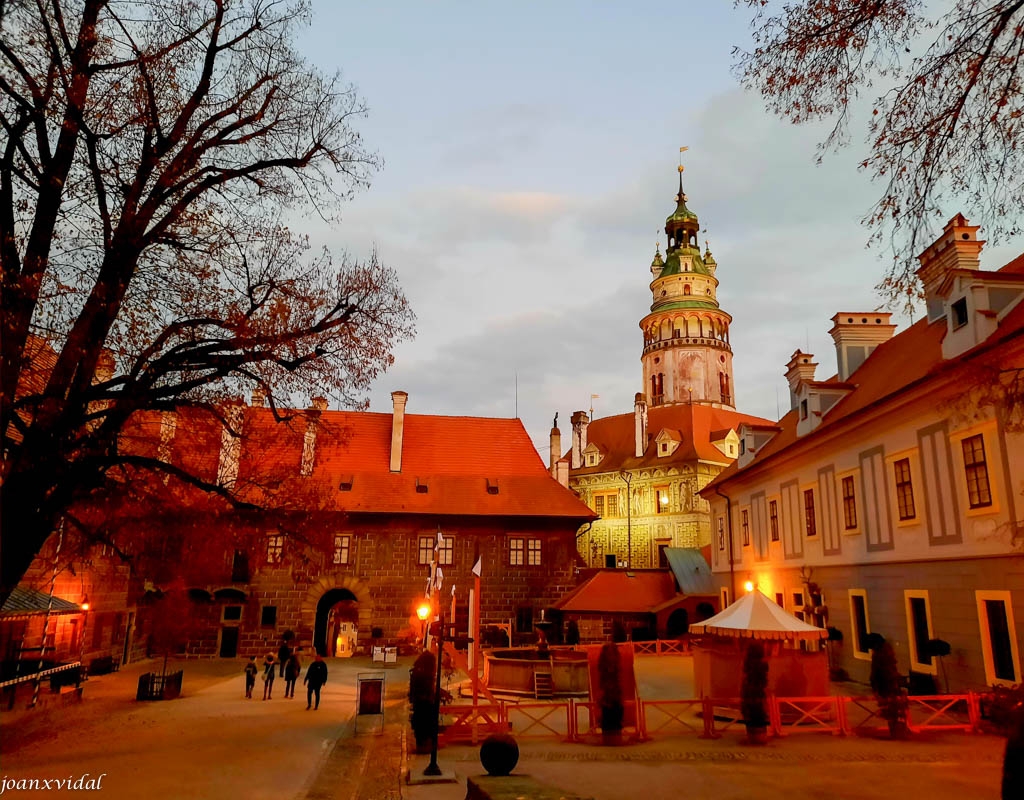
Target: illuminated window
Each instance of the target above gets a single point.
(275, 548)
(809, 521)
(979, 493)
(533, 552)
(661, 500)
(606, 504)
(425, 552)
(745, 524)
(773, 519)
(904, 489)
(516, 551)
(341, 548)
(849, 503)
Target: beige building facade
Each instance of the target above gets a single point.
(890, 498)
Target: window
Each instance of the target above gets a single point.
(240, 567)
(780, 599)
(919, 630)
(809, 521)
(859, 623)
(773, 519)
(268, 616)
(446, 551)
(607, 504)
(979, 494)
(745, 524)
(998, 637)
(275, 548)
(849, 504)
(533, 552)
(661, 500)
(904, 489)
(231, 614)
(803, 409)
(516, 551)
(725, 598)
(959, 309)
(798, 605)
(425, 551)
(341, 548)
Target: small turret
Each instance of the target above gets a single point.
(657, 265)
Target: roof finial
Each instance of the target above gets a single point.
(681, 197)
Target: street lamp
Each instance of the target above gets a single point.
(627, 477)
(423, 611)
(432, 767)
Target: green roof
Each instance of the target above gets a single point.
(668, 304)
(681, 212)
(672, 262)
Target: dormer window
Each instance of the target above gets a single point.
(959, 311)
(743, 447)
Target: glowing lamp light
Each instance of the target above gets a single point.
(423, 611)
(749, 586)
(85, 603)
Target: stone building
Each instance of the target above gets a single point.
(344, 515)
(889, 499)
(642, 472)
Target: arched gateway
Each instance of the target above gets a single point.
(334, 607)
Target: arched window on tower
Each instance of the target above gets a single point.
(686, 289)
(654, 390)
(723, 381)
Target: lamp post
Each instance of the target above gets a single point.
(423, 611)
(627, 477)
(432, 767)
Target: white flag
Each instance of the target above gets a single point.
(453, 590)
(478, 566)
(440, 539)
(438, 578)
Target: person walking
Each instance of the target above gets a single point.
(268, 676)
(316, 677)
(292, 670)
(283, 653)
(250, 676)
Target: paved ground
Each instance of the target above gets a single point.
(213, 743)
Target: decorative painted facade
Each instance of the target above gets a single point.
(643, 472)
(890, 499)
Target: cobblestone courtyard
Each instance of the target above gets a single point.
(212, 743)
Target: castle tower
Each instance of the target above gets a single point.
(686, 356)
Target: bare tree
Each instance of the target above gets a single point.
(153, 155)
(948, 131)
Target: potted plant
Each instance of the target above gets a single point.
(886, 683)
(754, 694)
(610, 701)
(421, 699)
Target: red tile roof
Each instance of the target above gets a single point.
(695, 426)
(913, 356)
(460, 460)
(621, 591)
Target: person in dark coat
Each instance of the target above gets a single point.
(268, 676)
(250, 676)
(283, 653)
(292, 670)
(316, 676)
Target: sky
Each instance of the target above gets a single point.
(529, 161)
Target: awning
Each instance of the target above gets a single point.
(756, 616)
(30, 602)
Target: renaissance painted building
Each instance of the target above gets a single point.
(890, 498)
(642, 472)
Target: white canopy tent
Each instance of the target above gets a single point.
(756, 616)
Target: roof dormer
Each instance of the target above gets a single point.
(592, 455)
(751, 438)
(974, 303)
(728, 441)
(667, 442)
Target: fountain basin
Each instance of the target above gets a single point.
(511, 670)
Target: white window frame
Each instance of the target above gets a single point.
(915, 663)
(517, 551)
(534, 550)
(275, 548)
(341, 555)
(427, 551)
(981, 596)
(863, 655)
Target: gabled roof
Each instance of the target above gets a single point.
(621, 591)
(696, 426)
(691, 571)
(473, 466)
(911, 357)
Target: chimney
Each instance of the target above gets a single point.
(957, 248)
(556, 448)
(398, 399)
(579, 420)
(318, 404)
(104, 367)
(640, 424)
(230, 444)
(800, 369)
(259, 397)
(856, 335)
(562, 472)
